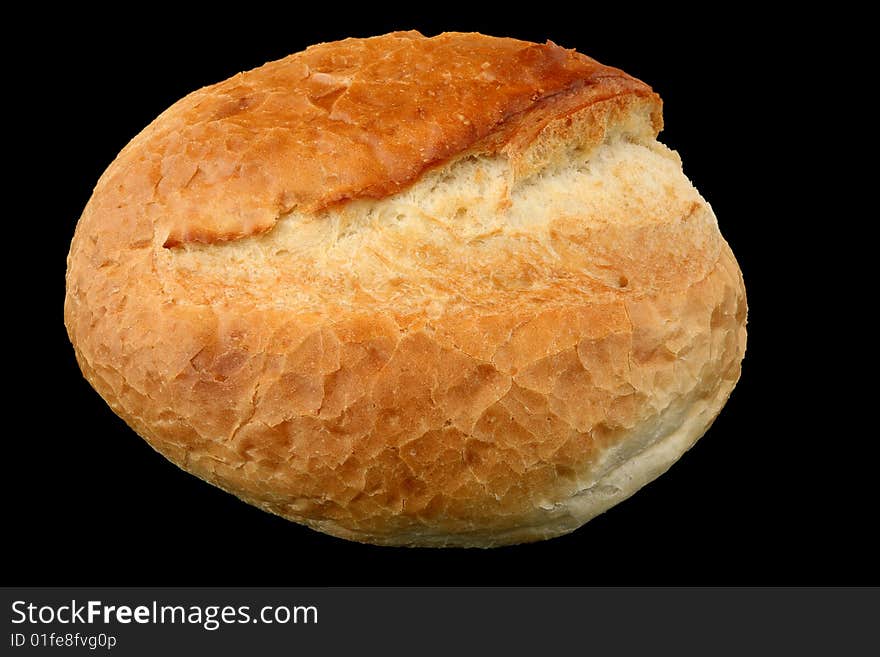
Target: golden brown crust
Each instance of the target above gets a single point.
(355, 118)
(528, 313)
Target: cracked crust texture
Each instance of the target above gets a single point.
(411, 291)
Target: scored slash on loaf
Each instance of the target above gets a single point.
(443, 291)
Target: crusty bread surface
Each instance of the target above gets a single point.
(443, 291)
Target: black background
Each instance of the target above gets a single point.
(769, 496)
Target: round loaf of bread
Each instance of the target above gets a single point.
(443, 291)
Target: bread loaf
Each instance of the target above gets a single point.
(443, 291)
